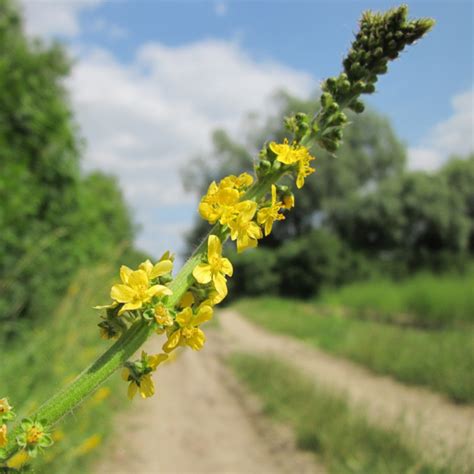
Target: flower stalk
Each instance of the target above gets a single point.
(149, 300)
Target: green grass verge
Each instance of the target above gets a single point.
(323, 423)
(441, 360)
(425, 300)
(45, 358)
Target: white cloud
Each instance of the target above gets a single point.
(109, 29)
(143, 120)
(452, 136)
(55, 17)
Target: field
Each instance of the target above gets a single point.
(46, 357)
(323, 422)
(440, 360)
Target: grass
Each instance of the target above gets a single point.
(45, 358)
(425, 300)
(441, 360)
(323, 423)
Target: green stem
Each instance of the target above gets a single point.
(91, 378)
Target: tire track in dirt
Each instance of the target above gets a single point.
(442, 431)
(201, 421)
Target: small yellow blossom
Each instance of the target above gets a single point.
(219, 202)
(285, 153)
(162, 317)
(135, 289)
(188, 333)
(268, 215)
(34, 434)
(294, 155)
(217, 267)
(243, 228)
(288, 201)
(88, 445)
(304, 169)
(241, 182)
(4, 406)
(17, 460)
(142, 382)
(3, 436)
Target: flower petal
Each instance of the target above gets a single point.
(146, 266)
(214, 247)
(158, 290)
(147, 387)
(227, 267)
(132, 390)
(161, 268)
(220, 283)
(122, 293)
(130, 306)
(138, 278)
(125, 273)
(204, 314)
(155, 360)
(202, 273)
(184, 317)
(172, 342)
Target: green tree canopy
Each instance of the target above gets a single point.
(52, 218)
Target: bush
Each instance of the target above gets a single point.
(316, 260)
(255, 273)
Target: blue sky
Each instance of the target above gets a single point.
(153, 78)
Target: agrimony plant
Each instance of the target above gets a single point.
(149, 300)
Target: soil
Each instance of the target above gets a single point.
(202, 421)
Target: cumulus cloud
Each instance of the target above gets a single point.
(454, 136)
(143, 120)
(55, 17)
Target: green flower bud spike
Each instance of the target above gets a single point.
(382, 36)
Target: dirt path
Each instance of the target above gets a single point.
(201, 422)
(442, 430)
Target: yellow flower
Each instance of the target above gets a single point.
(216, 268)
(288, 201)
(4, 406)
(268, 215)
(243, 228)
(220, 199)
(241, 182)
(17, 460)
(34, 434)
(3, 436)
(188, 333)
(217, 202)
(304, 169)
(286, 154)
(294, 154)
(136, 289)
(88, 445)
(154, 271)
(162, 317)
(142, 381)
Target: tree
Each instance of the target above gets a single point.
(52, 219)
(371, 153)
